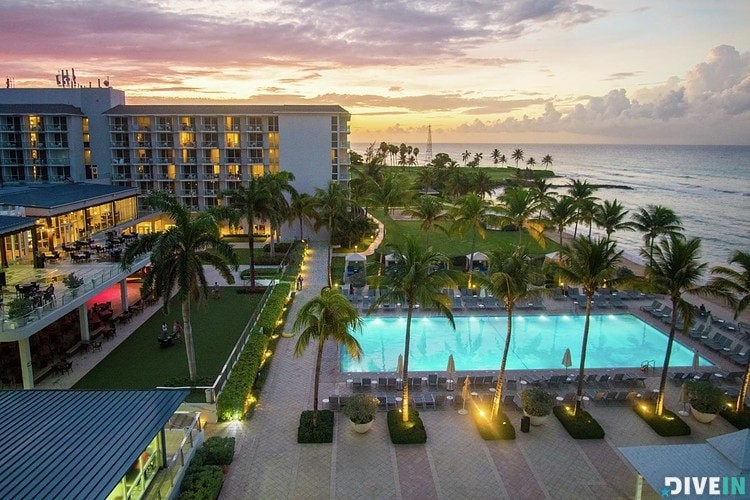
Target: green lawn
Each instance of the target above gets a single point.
(454, 245)
(140, 363)
(495, 173)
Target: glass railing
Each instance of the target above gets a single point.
(166, 478)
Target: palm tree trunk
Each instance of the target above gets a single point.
(318, 359)
(743, 390)
(187, 330)
(575, 231)
(584, 343)
(561, 232)
(663, 381)
(251, 223)
(591, 225)
(501, 376)
(405, 374)
(651, 251)
(300, 228)
(330, 243)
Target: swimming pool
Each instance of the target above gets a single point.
(538, 342)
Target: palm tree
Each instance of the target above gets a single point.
(517, 207)
(611, 215)
(734, 285)
(178, 255)
(250, 203)
(416, 278)
(495, 156)
(517, 155)
(674, 270)
(530, 162)
(587, 212)
(392, 191)
(431, 211)
(503, 160)
(542, 194)
(471, 214)
(280, 186)
(580, 191)
(302, 208)
(465, 156)
(427, 178)
(482, 183)
(561, 211)
(510, 279)
(477, 159)
(590, 263)
(547, 161)
(654, 221)
(327, 316)
(330, 204)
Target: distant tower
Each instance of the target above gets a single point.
(429, 143)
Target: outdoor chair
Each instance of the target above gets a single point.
(334, 403)
(618, 379)
(382, 383)
(415, 381)
(391, 383)
(509, 402)
(655, 306)
(603, 380)
(590, 379)
(432, 380)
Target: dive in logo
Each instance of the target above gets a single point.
(696, 485)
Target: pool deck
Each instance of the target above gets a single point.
(454, 463)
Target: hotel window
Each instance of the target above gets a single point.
(165, 141)
(273, 140)
(36, 123)
(233, 156)
(164, 123)
(255, 124)
(119, 140)
(187, 139)
(255, 140)
(187, 123)
(273, 123)
(210, 140)
(334, 140)
(119, 123)
(232, 123)
(11, 123)
(209, 123)
(334, 157)
(257, 170)
(255, 156)
(233, 140)
(59, 140)
(334, 123)
(143, 140)
(142, 123)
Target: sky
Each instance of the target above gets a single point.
(476, 71)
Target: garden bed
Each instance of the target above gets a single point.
(668, 425)
(410, 432)
(739, 420)
(322, 433)
(581, 426)
(499, 428)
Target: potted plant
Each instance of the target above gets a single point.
(361, 410)
(72, 282)
(18, 309)
(706, 401)
(537, 404)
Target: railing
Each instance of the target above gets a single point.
(167, 478)
(91, 280)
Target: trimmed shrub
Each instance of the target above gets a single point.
(667, 425)
(582, 426)
(234, 400)
(201, 482)
(411, 432)
(323, 433)
(215, 451)
(499, 428)
(280, 247)
(262, 259)
(740, 420)
(537, 402)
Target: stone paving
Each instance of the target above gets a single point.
(454, 463)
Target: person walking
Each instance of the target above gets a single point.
(164, 330)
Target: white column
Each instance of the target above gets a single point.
(124, 295)
(83, 316)
(27, 372)
(638, 488)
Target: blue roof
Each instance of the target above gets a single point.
(10, 224)
(76, 444)
(51, 196)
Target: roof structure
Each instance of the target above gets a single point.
(39, 109)
(720, 456)
(50, 196)
(76, 444)
(221, 109)
(10, 224)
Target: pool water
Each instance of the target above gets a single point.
(537, 342)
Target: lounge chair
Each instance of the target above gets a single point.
(509, 402)
(624, 397)
(569, 397)
(590, 379)
(415, 381)
(382, 383)
(432, 380)
(655, 306)
(334, 402)
(703, 377)
(603, 380)
(618, 379)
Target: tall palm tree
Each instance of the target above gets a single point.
(733, 284)
(178, 255)
(517, 155)
(517, 206)
(427, 178)
(465, 156)
(542, 194)
(611, 215)
(249, 203)
(561, 212)
(416, 278)
(477, 159)
(329, 316)
(530, 162)
(655, 221)
(511, 279)
(503, 160)
(587, 212)
(482, 184)
(280, 186)
(431, 211)
(302, 208)
(471, 214)
(589, 263)
(547, 161)
(392, 191)
(495, 156)
(330, 203)
(581, 192)
(674, 270)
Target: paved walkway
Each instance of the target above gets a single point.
(455, 462)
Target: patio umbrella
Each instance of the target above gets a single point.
(400, 364)
(567, 361)
(683, 400)
(451, 369)
(465, 392)
(696, 360)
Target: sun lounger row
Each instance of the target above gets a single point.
(618, 397)
(603, 380)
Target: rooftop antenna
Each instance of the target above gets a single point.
(429, 143)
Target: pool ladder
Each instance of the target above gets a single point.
(648, 364)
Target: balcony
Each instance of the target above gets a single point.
(120, 144)
(58, 161)
(166, 144)
(121, 177)
(9, 128)
(144, 144)
(208, 127)
(255, 144)
(188, 176)
(187, 128)
(118, 128)
(164, 127)
(209, 144)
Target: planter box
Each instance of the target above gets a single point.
(704, 418)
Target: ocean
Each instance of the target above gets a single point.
(707, 186)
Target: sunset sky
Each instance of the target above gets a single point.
(556, 71)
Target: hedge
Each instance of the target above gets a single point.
(215, 451)
(581, 426)
(499, 428)
(202, 482)
(667, 425)
(233, 402)
(413, 432)
(280, 247)
(322, 433)
(740, 420)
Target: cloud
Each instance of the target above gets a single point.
(623, 75)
